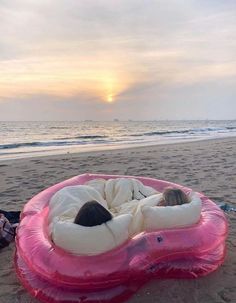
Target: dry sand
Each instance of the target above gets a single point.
(206, 166)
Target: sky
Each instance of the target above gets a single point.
(125, 59)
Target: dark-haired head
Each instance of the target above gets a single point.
(174, 196)
(91, 214)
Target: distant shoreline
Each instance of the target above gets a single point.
(97, 149)
(36, 139)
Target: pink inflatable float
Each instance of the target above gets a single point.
(53, 275)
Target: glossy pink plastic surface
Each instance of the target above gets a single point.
(54, 275)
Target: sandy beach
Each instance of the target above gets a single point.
(206, 166)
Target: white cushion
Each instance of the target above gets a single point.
(137, 224)
(184, 215)
(99, 185)
(134, 208)
(81, 240)
(122, 190)
(72, 197)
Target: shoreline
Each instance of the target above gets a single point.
(206, 166)
(106, 148)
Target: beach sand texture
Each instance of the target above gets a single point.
(206, 166)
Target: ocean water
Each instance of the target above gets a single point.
(24, 139)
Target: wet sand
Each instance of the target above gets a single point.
(205, 166)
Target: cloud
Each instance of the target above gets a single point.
(130, 50)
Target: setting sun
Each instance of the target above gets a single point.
(110, 99)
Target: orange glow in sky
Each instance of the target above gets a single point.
(64, 78)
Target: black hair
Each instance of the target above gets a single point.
(91, 214)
